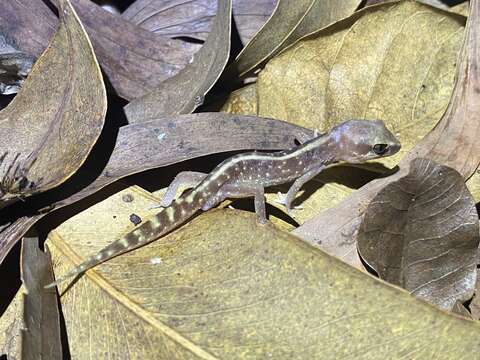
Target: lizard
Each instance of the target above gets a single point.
(247, 175)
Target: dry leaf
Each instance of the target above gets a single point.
(167, 141)
(290, 21)
(135, 60)
(421, 232)
(242, 101)
(11, 324)
(368, 66)
(453, 143)
(317, 84)
(49, 128)
(460, 309)
(40, 337)
(224, 287)
(184, 92)
(475, 303)
(193, 19)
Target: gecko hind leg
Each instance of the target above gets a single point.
(240, 191)
(186, 179)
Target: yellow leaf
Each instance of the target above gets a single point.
(223, 286)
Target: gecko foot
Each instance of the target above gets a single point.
(283, 200)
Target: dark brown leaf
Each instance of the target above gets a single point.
(184, 92)
(167, 141)
(135, 60)
(49, 128)
(174, 18)
(453, 142)
(421, 232)
(41, 335)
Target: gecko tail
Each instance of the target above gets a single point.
(73, 273)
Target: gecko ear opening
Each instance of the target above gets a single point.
(380, 149)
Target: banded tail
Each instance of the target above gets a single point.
(157, 225)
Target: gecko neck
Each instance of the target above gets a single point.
(319, 150)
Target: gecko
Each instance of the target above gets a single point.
(247, 175)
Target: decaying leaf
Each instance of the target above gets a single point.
(14, 67)
(40, 337)
(290, 21)
(135, 60)
(421, 232)
(453, 142)
(178, 18)
(166, 141)
(49, 128)
(224, 287)
(184, 92)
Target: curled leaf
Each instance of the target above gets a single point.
(41, 334)
(135, 60)
(49, 128)
(421, 232)
(177, 18)
(184, 92)
(290, 21)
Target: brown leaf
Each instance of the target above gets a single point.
(184, 92)
(421, 232)
(135, 60)
(453, 142)
(290, 21)
(41, 334)
(49, 128)
(174, 18)
(460, 309)
(166, 141)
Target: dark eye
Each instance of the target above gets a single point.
(380, 149)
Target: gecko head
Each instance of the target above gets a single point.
(357, 141)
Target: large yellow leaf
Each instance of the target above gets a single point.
(394, 62)
(223, 286)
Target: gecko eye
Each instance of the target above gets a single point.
(380, 149)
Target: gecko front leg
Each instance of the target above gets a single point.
(297, 185)
(242, 190)
(187, 179)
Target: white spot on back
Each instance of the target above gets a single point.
(156, 260)
(170, 213)
(124, 242)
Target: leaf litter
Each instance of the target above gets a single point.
(232, 288)
(421, 232)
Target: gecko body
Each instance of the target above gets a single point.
(246, 175)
